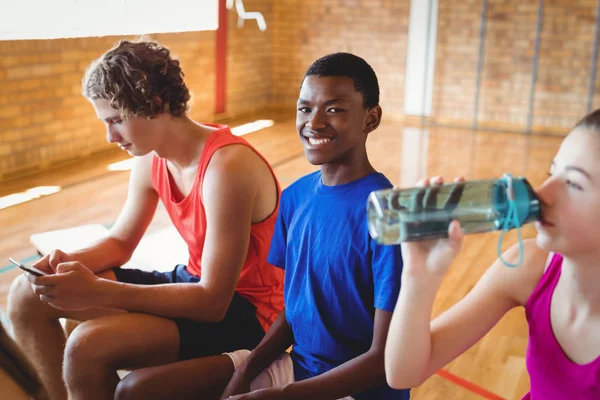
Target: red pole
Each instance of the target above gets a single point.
(221, 60)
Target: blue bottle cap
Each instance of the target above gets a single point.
(526, 201)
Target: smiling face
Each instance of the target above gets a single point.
(133, 134)
(571, 196)
(332, 121)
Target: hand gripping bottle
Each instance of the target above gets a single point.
(402, 215)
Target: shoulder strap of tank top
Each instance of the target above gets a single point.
(548, 278)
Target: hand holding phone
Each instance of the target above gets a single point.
(28, 268)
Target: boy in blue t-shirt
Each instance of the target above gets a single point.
(340, 286)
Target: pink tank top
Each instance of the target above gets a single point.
(552, 375)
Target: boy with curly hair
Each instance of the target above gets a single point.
(222, 197)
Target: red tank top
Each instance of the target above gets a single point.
(260, 282)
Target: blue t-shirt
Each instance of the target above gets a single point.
(335, 274)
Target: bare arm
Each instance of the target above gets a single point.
(116, 249)
(355, 376)
(417, 348)
(229, 192)
(279, 338)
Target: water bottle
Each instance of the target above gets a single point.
(401, 215)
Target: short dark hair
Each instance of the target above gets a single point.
(351, 66)
(133, 75)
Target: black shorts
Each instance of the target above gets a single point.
(240, 329)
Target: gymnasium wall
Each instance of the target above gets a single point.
(565, 56)
(44, 120)
(43, 117)
(376, 30)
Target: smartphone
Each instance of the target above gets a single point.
(28, 268)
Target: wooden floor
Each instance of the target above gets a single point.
(92, 194)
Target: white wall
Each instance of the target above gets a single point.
(51, 19)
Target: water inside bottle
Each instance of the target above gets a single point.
(425, 213)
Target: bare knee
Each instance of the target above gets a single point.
(132, 386)
(22, 302)
(85, 353)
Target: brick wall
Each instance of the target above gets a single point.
(563, 70)
(43, 117)
(249, 66)
(564, 67)
(308, 29)
(507, 66)
(45, 120)
(456, 60)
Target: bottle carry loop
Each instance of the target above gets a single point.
(512, 216)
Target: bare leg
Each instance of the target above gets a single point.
(200, 378)
(98, 348)
(39, 334)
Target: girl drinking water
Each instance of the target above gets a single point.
(558, 283)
